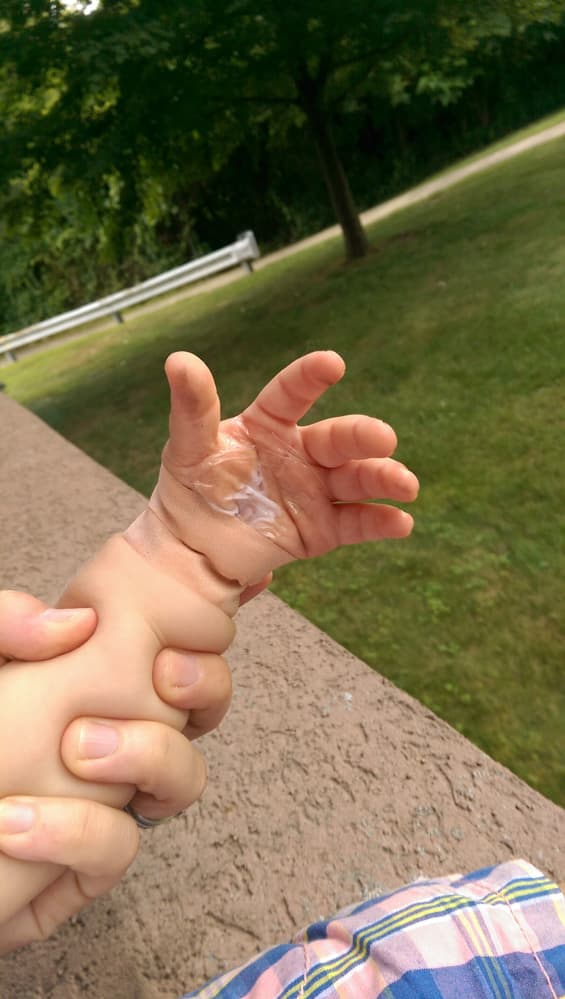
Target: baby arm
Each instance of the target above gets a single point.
(234, 500)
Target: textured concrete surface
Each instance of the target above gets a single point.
(326, 782)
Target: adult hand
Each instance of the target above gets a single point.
(157, 759)
(94, 843)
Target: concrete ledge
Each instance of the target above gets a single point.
(326, 782)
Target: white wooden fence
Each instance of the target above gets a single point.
(243, 252)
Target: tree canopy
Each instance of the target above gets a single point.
(115, 121)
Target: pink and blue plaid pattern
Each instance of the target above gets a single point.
(496, 934)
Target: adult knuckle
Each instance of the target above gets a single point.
(222, 680)
(129, 846)
(81, 831)
(160, 749)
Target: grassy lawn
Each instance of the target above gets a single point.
(452, 330)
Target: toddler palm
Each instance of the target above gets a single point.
(259, 480)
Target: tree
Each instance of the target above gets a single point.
(129, 105)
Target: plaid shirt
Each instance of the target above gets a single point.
(496, 934)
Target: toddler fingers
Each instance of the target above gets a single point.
(199, 683)
(195, 409)
(332, 442)
(358, 522)
(373, 478)
(168, 771)
(291, 393)
(31, 630)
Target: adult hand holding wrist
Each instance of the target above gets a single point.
(94, 844)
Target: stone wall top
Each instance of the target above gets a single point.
(327, 783)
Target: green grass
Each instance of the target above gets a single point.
(452, 329)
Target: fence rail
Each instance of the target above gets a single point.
(241, 253)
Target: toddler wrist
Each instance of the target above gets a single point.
(151, 537)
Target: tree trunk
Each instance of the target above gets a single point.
(356, 244)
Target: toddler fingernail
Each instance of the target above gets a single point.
(407, 479)
(15, 817)
(97, 740)
(187, 671)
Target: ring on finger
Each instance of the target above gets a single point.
(143, 821)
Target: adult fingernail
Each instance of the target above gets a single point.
(16, 817)
(187, 670)
(60, 615)
(97, 740)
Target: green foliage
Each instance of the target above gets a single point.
(140, 134)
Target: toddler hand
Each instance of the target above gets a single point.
(303, 490)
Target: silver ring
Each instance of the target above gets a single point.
(142, 821)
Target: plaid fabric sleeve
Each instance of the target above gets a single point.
(498, 933)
